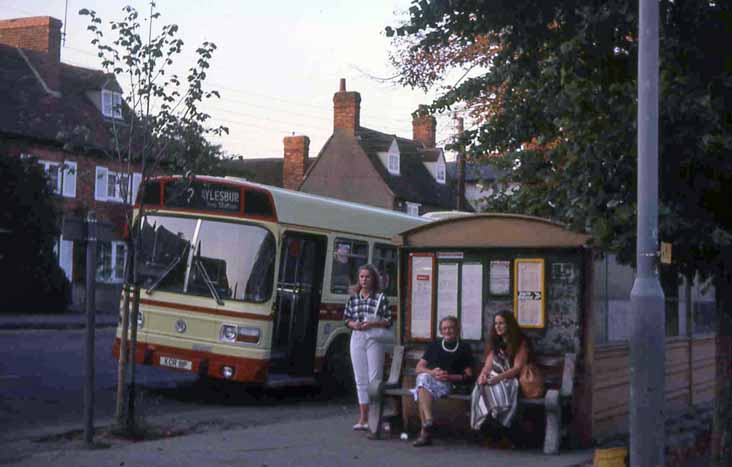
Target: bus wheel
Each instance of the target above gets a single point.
(337, 375)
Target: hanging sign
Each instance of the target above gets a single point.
(529, 300)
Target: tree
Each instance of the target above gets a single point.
(29, 227)
(162, 127)
(563, 77)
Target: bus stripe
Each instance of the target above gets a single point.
(203, 309)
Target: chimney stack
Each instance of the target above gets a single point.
(424, 128)
(38, 33)
(296, 159)
(346, 109)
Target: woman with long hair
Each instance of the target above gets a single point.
(367, 310)
(495, 395)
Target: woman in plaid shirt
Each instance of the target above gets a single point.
(367, 309)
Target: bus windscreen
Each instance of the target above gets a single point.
(223, 260)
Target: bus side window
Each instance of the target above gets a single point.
(348, 256)
(385, 260)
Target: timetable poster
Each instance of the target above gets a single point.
(471, 315)
(421, 297)
(447, 291)
(529, 293)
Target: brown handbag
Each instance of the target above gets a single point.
(531, 382)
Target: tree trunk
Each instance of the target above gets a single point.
(119, 412)
(130, 415)
(722, 426)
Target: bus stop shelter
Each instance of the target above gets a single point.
(472, 266)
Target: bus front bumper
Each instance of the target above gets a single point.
(245, 370)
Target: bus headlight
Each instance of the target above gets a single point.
(228, 333)
(140, 319)
(248, 335)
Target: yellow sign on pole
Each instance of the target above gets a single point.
(665, 253)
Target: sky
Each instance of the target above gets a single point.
(277, 65)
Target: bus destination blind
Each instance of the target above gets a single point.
(203, 196)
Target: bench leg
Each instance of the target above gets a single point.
(553, 433)
(376, 408)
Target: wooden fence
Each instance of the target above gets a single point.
(611, 381)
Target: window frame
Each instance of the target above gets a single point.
(113, 277)
(112, 104)
(412, 209)
(352, 242)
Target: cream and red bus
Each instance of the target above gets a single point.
(247, 282)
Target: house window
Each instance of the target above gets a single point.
(116, 186)
(393, 161)
(348, 256)
(111, 104)
(440, 175)
(111, 261)
(61, 176)
(413, 208)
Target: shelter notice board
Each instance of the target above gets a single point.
(447, 290)
(420, 311)
(471, 311)
(529, 295)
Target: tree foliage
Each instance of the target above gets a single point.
(29, 222)
(562, 78)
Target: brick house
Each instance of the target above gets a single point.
(384, 170)
(49, 110)
(361, 165)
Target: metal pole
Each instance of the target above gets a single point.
(91, 262)
(460, 168)
(648, 340)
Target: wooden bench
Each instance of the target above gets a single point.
(552, 402)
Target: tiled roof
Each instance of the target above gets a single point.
(265, 170)
(415, 183)
(29, 110)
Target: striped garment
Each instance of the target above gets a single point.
(499, 401)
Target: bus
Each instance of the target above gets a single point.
(246, 282)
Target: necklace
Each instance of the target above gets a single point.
(457, 344)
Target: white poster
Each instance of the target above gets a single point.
(529, 294)
(500, 277)
(421, 297)
(471, 315)
(447, 291)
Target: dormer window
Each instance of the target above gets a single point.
(111, 104)
(392, 159)
(440, 172)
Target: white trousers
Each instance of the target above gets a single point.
(367, 357)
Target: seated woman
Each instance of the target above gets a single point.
(444, 363)
(495, 396)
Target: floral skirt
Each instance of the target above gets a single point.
(438, 389)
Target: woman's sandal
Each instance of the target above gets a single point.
(361, 427)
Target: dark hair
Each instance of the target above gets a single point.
(356, 288)
(512, 338)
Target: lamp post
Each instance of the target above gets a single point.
(647, 346)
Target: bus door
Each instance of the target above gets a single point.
(299, 286)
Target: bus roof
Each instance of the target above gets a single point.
(304, 209)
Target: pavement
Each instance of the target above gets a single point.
(327, 441)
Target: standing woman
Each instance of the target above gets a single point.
(367, 309)
(495, 395)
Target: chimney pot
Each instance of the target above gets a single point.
(342, 87)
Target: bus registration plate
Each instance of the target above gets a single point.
(176, 363)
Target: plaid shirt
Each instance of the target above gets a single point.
(357, 308)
